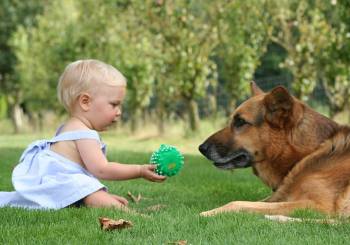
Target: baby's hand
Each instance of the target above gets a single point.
(147, 172)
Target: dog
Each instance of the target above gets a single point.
(303, 156)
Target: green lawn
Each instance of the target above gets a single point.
(198, 187)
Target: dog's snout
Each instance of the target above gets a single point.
(203, 148)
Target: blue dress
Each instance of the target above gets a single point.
(44, 179)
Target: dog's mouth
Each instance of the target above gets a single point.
(225, 158)
(237, 159)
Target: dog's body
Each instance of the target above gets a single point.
(303, 156)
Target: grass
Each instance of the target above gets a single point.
(198, 187)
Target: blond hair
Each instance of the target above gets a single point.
(82, 76)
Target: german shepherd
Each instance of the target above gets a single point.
(303, 156)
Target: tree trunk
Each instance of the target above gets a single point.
(17, 118)
(41, 121)
(33, 120)
(230, 107)
(160, 122)
(193, 115)
(134, 120)
(160, 119)
(213, 110)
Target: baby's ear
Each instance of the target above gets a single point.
(84, 101)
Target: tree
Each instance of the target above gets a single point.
(84, 33)
(14, 13)
(302, 30)
(42, 52)
(335, 61)
(186, 36)
(244, 33)
(137, 60)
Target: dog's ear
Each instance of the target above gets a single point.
(279, 107)
(254, 89)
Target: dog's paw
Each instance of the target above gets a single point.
(207, 213)
(204, 214)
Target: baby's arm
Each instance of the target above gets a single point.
(97, 164)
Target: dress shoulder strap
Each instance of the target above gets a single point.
(40, 145)
(76, 135)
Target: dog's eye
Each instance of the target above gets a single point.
(239, 122)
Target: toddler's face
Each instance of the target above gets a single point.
(106, 106)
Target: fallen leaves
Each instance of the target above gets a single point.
(133, 198)
(108, 224)
(156, 207)
(137, 199)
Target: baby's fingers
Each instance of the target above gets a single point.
(151, 167)
(156, 178)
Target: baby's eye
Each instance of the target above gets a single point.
(115, 104)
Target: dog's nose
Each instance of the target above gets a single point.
(203, 148)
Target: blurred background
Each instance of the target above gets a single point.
(188, 63)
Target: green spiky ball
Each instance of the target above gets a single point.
(168, 159)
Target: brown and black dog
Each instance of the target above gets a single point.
(301, 155)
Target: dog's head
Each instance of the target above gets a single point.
(257, 130)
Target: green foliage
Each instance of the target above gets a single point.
(185, 38)
(13, 13)
(244, 31)
(39, 66)
(335, 61)
(137, 56)
(301, 28)
(173, 54)
(3, 107)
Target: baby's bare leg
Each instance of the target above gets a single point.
(100, 199)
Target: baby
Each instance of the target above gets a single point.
(65, 170)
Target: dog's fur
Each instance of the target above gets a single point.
(303, 156)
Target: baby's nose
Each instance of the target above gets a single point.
(118, 111)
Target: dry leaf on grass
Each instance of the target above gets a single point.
(138, 198)
(133, 198)
(155, 207)
(110, 224)
(181, 242)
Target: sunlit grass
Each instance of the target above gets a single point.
(198, 187)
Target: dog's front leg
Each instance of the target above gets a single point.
(260, 207)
